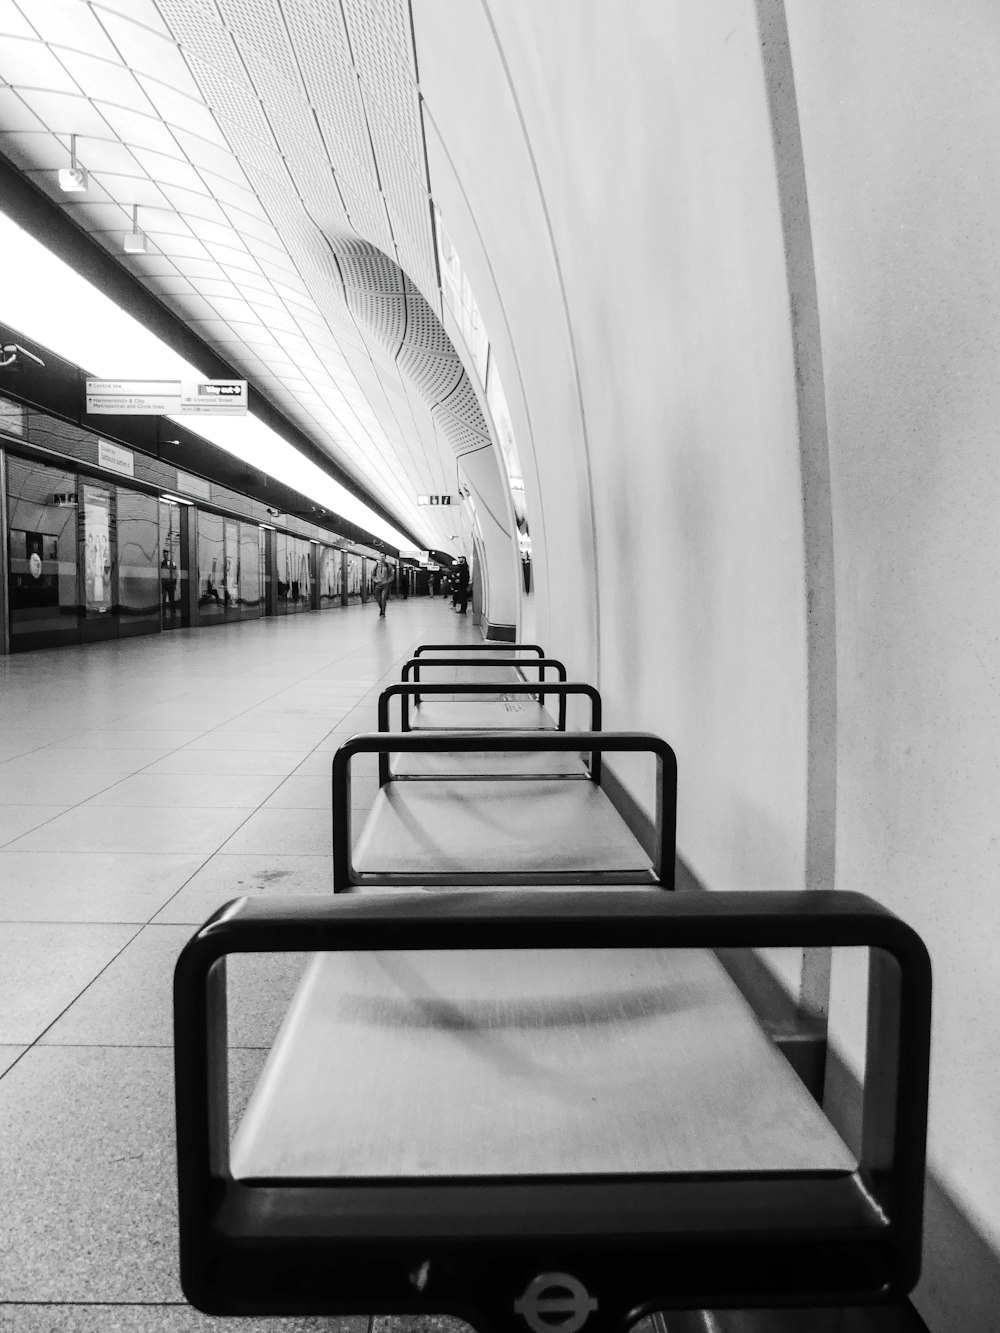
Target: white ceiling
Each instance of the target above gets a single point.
(275, 151)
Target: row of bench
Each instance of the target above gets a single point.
(551, 1109)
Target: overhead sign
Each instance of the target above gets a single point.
(133, 398)
(227, 398)
(433, 499)
(159, 398)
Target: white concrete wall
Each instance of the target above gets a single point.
(500, 599)
(900, 113)
(640, 302)
(484, 183)
(608, 174)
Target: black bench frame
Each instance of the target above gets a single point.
(474, 1247)
(407, 690)
(535, 648)
(411, 669)
(384, 743)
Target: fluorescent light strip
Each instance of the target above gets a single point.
(48, 301)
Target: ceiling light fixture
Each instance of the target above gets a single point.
(135, 240)
(11, 354)
(73, 179)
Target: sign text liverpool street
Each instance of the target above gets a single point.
(167, 398)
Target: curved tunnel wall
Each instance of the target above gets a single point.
(900, 109)
(645, 307)
(707, 457)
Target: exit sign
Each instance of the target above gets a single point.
(433, 499)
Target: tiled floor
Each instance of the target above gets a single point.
(143, 783)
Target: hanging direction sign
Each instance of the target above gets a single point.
(133, 398)
(226, 398)
(156, 398)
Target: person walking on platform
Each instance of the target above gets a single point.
(382, 578)
(460, 583)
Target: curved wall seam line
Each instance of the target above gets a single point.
(426, 113)
(572, 343)
(814, 455)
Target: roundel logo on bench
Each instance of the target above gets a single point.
(555, 1303)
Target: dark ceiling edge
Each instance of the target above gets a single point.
(28, 206)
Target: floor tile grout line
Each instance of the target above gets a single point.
(126, 1046)
(76, 997)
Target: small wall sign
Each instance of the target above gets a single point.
(115, 458)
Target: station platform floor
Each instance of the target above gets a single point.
(143, 783)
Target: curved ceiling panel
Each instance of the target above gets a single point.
(398, 317)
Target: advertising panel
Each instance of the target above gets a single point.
(97, 550)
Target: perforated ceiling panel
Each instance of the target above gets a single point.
(399, 318)
(459, 436)
(275, 151)
(463, 404)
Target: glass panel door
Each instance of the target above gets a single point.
(231, 576)
(41, 556)
(266, 574)
(250, 570)
(283, 572)
(211, 568)
(173, 602)
(138, 533)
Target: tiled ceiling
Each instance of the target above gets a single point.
(275, 151)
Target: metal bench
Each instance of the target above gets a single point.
(517, 1109)
(538, 831)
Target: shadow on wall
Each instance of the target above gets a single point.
(647, 593)
(959, 1248)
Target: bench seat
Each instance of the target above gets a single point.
(497, 831)
(493, 714)
(481, 764)
(488, 676)
(480, 1101)
(542, 1061)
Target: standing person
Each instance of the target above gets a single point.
(460, 583)
(382, 578)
